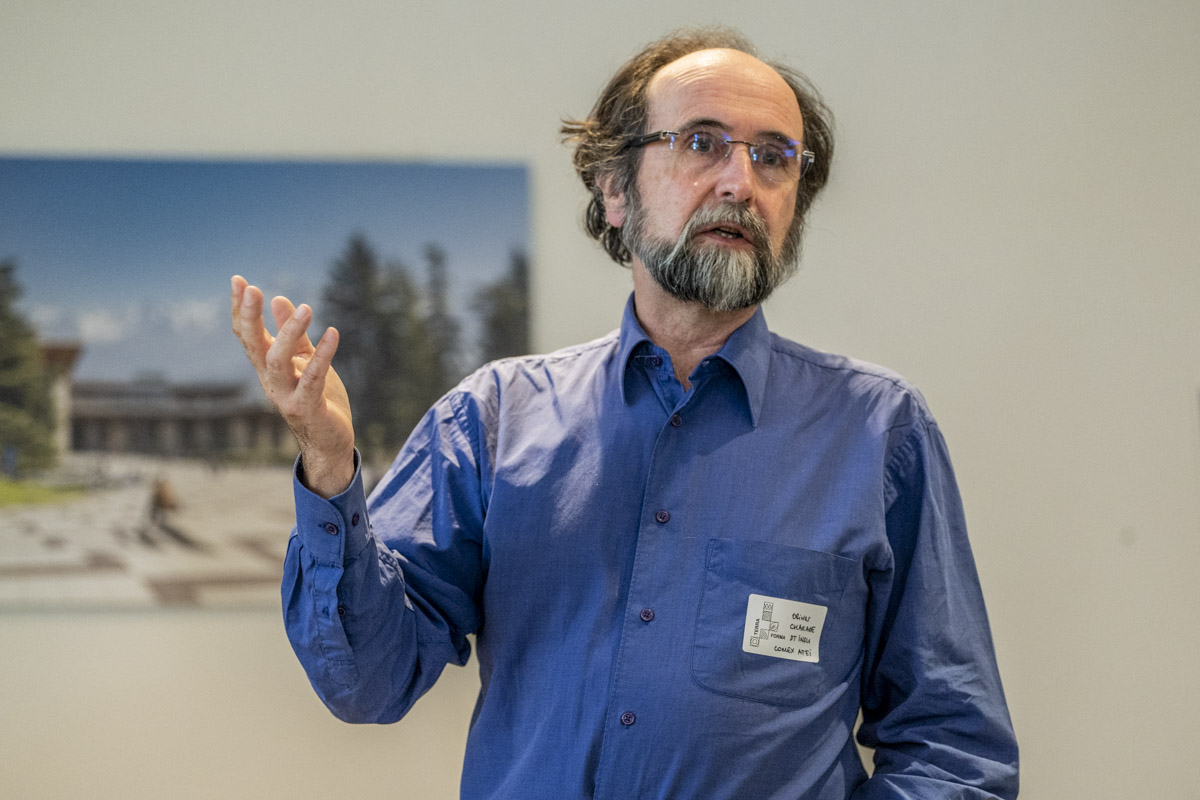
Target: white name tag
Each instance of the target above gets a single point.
(783, 628)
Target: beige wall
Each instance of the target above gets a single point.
(1012, 225)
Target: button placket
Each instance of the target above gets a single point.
(641, 638)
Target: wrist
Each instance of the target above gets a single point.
(326, 476)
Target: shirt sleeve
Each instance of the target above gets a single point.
(933, 706)
(379, 596)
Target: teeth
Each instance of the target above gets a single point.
(728, 234)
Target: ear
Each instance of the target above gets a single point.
(614, 201)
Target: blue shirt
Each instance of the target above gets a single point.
(674, 594)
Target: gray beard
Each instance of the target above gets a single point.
(717, 278)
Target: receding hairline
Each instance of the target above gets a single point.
(723, 57)
(715, 56)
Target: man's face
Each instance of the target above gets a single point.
(724, 237)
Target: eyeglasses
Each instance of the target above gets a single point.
(776, 161)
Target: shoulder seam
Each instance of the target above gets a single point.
(779, 346)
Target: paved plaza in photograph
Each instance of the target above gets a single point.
(112, 546)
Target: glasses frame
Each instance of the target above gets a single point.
(807, 157)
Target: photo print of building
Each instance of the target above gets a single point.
(169, 477)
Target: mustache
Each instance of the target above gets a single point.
(735, 216)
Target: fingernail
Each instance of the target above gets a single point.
(302, 312)
(246, 297)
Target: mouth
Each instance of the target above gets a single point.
(727, 232)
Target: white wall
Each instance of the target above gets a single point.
(1012, 224)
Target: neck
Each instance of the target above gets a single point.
(687, 331)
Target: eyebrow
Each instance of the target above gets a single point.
(709, 122)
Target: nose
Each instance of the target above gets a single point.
(735, 180)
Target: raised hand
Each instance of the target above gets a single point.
(300, 382)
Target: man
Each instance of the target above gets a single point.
(690, 551)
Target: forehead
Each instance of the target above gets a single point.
(736, 89)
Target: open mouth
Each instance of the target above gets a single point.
(728, 233)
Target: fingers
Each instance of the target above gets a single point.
(237, 286)
(291, 370)
(283, 310)
(292, 338)
(311, 385)
(247, 321)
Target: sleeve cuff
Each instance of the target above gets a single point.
(333, 530)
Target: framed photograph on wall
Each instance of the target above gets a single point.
(140, 464)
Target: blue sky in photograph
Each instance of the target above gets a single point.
(132, 258)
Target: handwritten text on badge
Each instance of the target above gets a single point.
(783, 628)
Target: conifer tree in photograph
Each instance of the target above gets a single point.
(26, 406)
(503, 310)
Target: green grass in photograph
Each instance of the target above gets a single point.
(22, 493)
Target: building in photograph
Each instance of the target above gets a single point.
(152, 416)
(216, 419)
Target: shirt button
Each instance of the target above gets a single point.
(655, 361)
(676, 420)
(662, 516)
(647, 614)
(628, 718)
(354, 519)
(341, 611)
(331, 529)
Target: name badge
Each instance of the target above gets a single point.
(783, 628)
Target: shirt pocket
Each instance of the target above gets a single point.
(736, 569)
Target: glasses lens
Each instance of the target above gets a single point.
(704, 146)
(774, 161)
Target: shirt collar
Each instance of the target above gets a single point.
(633, 337)
(747, 351)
